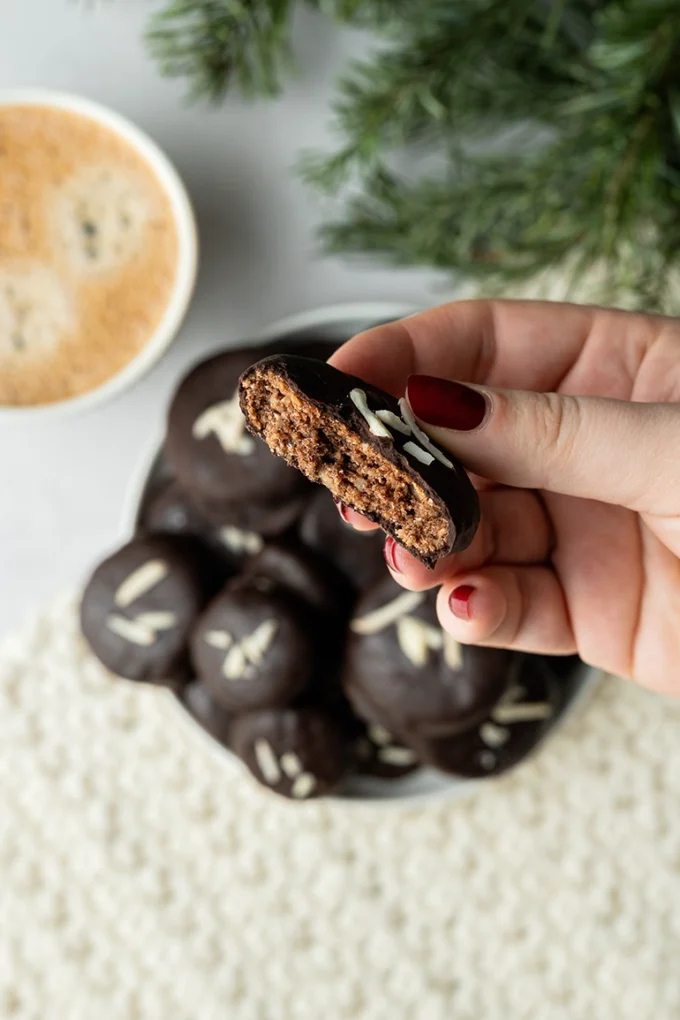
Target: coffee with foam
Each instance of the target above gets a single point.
(88, 254)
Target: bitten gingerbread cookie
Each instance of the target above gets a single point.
(357, 554)
(296, 753)
(407, 674)
(140, 606)
(215, 458)
(366, 448)
(251, 648)
(516, 724)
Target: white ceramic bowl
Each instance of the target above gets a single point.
(335, 323)
(187, 262)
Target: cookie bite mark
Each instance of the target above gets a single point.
(365, 447)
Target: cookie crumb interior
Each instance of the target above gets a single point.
(327, 451)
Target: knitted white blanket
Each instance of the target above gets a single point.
(144, 878)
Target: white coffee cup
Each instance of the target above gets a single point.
(187, 251)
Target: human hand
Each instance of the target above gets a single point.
(572, 431)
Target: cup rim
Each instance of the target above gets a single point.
(187, 248)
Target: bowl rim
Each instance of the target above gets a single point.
(393, 793)
(187, 250)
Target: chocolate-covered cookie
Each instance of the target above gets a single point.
(325, 599)
(200, 704)
(209, 449)
(513, 728)
(291, 567)
(296, 753)
(357, 554)
(251, 648)
(170, 509)
(407, 674)
(270, 520)
(378, 752)
(141, 604)
(366, 448)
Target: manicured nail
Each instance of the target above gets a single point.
(446, 404)
(390, 553)
(459, 601)
(343, 511)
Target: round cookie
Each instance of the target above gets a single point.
(208, 447)
(357, 554)
(170, 510)
(378, 752)
(407, 674)
(516, 724)
(298, 753)
(266, 519)
(312, 580)
(141, 604)
(210, 716)
(251, 649)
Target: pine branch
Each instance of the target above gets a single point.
(588, 92)
(217, 44)
(471, 72)
(601, 187)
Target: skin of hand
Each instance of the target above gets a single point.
(571, 431)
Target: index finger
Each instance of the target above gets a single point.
(510, 344)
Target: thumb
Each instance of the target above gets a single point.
(614, 451)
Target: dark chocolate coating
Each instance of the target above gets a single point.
(269, 519)
(377, 752)
(211, 474)
(200, 704)
(499, 743)
(172, 511)
(251, 648)
(298, 753)
(397, 674)
(311, 579)
(448, 488)
(177, 585)
(358, 554)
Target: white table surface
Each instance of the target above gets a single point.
(62, 484)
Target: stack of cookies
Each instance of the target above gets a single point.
(279, 627)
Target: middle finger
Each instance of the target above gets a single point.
(514, 529)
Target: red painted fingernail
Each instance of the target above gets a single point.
(390, 553)
(449, 405)
(459, 601)
(343, 511)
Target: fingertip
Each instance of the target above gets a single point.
(471, 608)
(410, 572)
(354, 519)
(364, 356)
